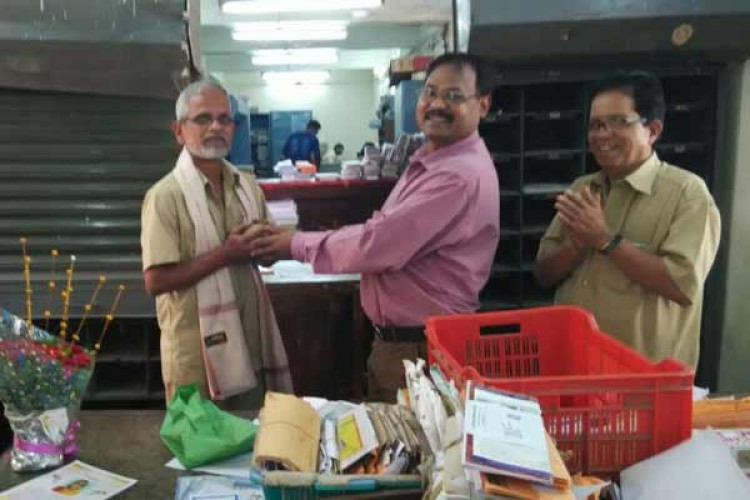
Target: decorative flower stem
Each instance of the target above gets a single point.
(51, 284)
(110, 317)
(66, 299)
(89, 307)
(27, 279)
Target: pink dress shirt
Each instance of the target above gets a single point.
(429, 250)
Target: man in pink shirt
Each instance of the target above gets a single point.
(430, 248)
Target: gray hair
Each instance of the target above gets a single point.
(192, 90)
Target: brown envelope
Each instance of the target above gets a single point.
(289, 433)
(522, 489)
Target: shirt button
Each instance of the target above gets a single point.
(585, 282)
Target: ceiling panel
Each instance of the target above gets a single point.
(398, 25)
(132, 21)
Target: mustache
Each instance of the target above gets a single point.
(215, 138)
(438, 113)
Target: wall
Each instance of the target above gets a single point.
(734, 370)
(344, 105)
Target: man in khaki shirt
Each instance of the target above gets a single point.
(633, 243)
(171, 269)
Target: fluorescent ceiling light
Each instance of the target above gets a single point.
(295, 56)
(288, 36)
(322, 25)
(289, 30)
(295, 77)
(274, 6)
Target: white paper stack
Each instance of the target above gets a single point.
(351, 170)
(286, 170)
(284, 212)
(371, 163)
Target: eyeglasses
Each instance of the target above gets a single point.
(448, 96)
(205, 119)
(614, 122)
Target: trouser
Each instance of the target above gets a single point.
(385, 367)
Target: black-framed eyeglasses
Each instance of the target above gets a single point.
(448, 96)
(205, 119)
(614, 122)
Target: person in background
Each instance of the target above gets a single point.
(304, 145)
(361, 152)
(334, 156)
(429, 250)
(217, 326)
(634, 242)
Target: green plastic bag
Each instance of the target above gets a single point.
(198, 432)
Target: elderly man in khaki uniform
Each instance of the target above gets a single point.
(175, 269)
(634, 243)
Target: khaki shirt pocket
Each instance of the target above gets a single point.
(620, 297)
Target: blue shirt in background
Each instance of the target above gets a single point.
(302, 146)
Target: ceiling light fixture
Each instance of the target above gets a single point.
(318, 25)
(278, 57)
(276, 6)
(296, 77)
(289, 30)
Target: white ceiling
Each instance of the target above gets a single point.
(388, 31)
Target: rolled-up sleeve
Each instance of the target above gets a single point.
(159, 231)
(389, 239)
(552, 239)
(691, 244)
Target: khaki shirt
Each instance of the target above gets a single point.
(168, 237)
(663, 210)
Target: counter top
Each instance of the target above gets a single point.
(286, 272)
(125, 442)
(351, 189)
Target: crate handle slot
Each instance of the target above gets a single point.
(504, 329)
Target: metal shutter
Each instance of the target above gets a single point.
(73, 171)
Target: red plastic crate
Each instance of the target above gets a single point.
(606, 405)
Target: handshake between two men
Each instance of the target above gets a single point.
(259, 242)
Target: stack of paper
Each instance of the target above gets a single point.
(507, 450)
(372, 160)
(305, 170)
(372, 438)
(284, 212)
(351, 170)
(286, 170)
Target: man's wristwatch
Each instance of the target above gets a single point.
(611, 244)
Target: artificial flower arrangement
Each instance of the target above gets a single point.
(43, 375)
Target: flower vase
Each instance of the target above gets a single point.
(43, 439)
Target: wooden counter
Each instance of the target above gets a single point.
(325, 205)
(324, 329)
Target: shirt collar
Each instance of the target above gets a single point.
(224, 170)
(642, 179)
(430, 159)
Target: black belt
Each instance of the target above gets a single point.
(400, 333)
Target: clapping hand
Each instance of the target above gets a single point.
(583, 217)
